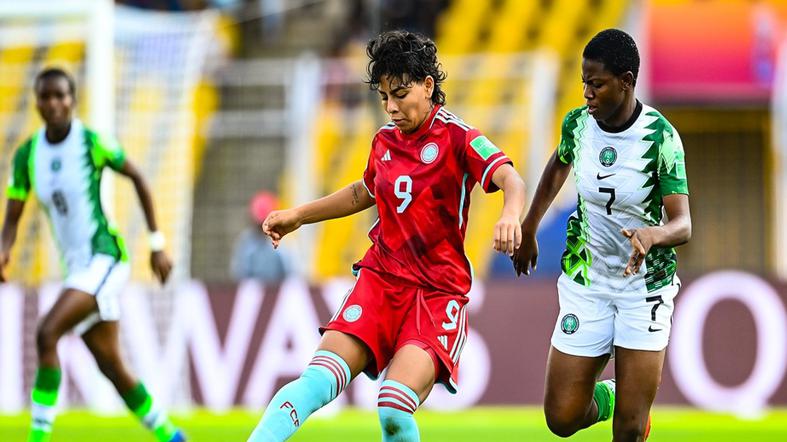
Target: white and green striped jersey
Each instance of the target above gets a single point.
(621, 178)
(66, 178)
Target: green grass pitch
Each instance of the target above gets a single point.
(479, 424)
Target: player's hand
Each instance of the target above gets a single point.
(161, 265)
(526, 256)
(279, 223)
(508, 234)
(4, 258)
(641, 242)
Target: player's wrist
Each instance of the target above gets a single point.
(510, 213)
(529, 227)
(303, 216)
(157, 241)
(655, 235)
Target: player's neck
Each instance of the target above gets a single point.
(629, 112)
(56, 134)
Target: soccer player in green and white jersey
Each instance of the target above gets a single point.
(62, 164)
(618, 282)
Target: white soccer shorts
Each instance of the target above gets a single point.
(592, 322)
(105, 278)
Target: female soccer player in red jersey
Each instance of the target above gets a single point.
(406, 310)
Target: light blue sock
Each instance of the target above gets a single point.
(396, 404)
(326, 376)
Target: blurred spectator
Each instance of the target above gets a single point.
(341, 77)
(254, 256)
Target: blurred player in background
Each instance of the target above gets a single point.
(62, 164)
(629, 169)
(406, 310)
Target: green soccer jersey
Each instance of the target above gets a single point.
(66, 178)
(621, 178)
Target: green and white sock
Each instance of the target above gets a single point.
(141, 404)
(44, 400)
(604, 396)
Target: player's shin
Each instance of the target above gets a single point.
(326, 376)
(44, 400)
(155, 419)
(396, 404)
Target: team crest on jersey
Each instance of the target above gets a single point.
(429, 153)
(569, 324)
(608, 156)
(56, 165)
(352, 313)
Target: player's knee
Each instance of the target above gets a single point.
(562, 422)
(46, 338)
(628, 427)
(631, 433)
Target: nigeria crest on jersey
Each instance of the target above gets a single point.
(569, 324)
(608, 156)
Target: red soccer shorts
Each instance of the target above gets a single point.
(385, 313)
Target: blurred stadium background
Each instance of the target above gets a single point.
(218, 100)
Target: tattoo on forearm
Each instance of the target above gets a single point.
(356, 198)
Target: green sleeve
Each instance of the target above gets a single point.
(19, 183)
(106, 151)
(672, 164)
(567, 148)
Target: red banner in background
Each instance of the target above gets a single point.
(237, 345)
(713, 51)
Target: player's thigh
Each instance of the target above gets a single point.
(354, 352)
(369, 321)
(570, 381)
(104, 278)
(638, 376)
(437, 326)
(71, 307)
(414, 367)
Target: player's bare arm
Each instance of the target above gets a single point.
(552, 179)
(13, 212)
(344, 202)
(508, 233)
(675, 232)
(159, 261)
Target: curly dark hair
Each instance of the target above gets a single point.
(407, 57)
(616, 50)
(48, 73)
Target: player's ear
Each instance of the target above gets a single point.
(429, 86)
(627, 80)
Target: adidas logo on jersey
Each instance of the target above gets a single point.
(387, 156)
(443, 340)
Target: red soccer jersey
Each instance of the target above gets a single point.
(421, 183)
